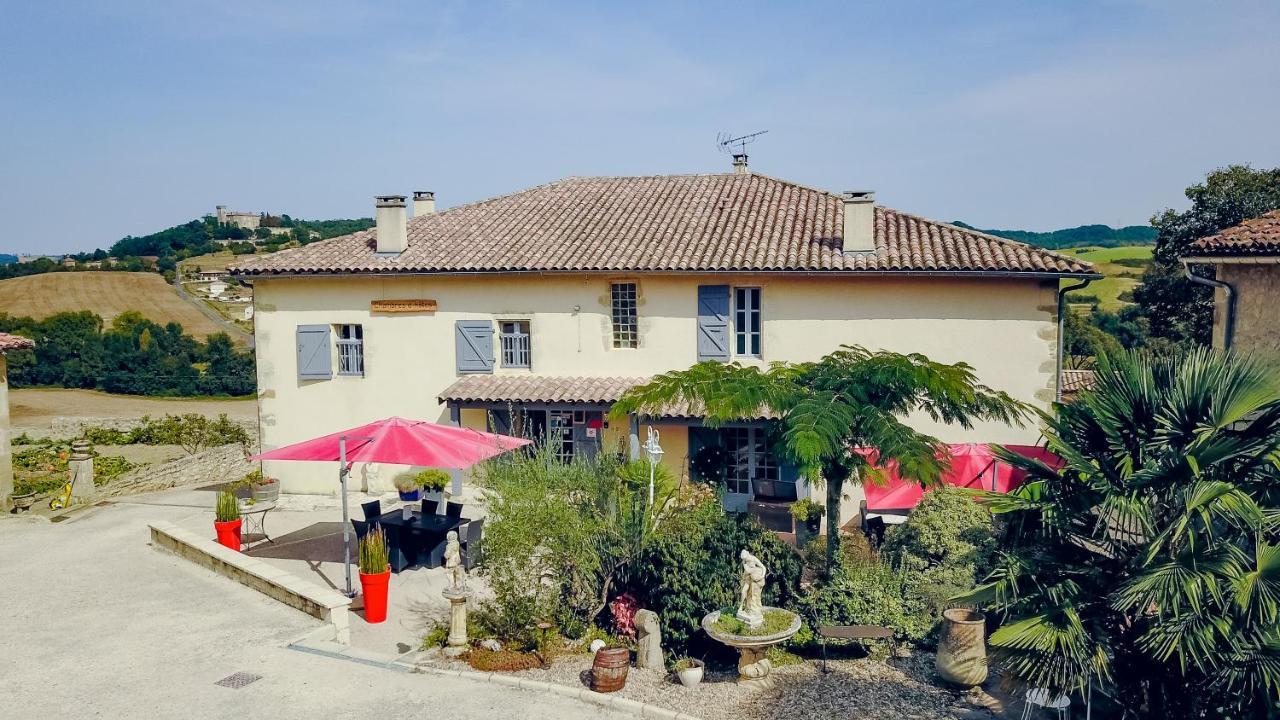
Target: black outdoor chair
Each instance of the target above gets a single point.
(430, 507)
(433, 557)
(453, 510)
(372, 510)
(362, 528)
(474, 531)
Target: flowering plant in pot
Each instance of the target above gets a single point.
(375, 574)
(433, 481)
(408, 488)
(689, 670)
(808, 517)
(227, 519)
(264, 488)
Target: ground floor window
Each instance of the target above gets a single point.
(750, 462)
(570, 432)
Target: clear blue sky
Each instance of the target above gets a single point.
(125, 117)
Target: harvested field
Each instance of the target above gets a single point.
(106, 293)
(37, 407)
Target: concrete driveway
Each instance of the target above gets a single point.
(100, 624)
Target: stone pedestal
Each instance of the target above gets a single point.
(457, 643)
(80, 465)
(754, 667)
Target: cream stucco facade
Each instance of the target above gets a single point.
(1256, 284)
(1004, 327)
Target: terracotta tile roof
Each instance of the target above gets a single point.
(538, 389)
(1076, 381)
(14, 342)
(730, 222)
(1256, 236)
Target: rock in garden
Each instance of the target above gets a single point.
(648, 640)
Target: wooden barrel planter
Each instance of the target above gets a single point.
(609, 671)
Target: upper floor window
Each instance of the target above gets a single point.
(351, 350)
(746, 321)
(625, 330)
(514, 335)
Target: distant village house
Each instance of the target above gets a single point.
(1246, 260)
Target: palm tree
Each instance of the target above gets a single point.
(852, 398)
(1148, 564)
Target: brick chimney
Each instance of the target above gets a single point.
(740, 163)
(859, 221)
(424, 202)
(391, 219)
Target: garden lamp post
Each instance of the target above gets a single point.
(654, 451)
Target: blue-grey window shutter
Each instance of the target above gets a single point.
(474, 342)
(314, 361)
(713, 323)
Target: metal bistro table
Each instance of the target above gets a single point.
(260, 509)
(405, 537)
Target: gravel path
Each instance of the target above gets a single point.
(862, 688)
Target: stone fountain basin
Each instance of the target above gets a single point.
(750, 641)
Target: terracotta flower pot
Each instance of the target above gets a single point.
(962, 649)
(229, 533)
(374, 588)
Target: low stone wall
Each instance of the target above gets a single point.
(215, 465)
(314, 600)
(65, 428)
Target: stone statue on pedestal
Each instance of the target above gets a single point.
(455, 569)
(750, 602)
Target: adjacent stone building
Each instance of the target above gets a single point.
(1246, 258)
(7, 343)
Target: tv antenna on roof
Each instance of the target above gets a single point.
(725, 142)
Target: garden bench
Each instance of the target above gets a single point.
(854, 632)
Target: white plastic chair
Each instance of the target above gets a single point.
(1040, 697)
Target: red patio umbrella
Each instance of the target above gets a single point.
(972, 465)
(395, 441)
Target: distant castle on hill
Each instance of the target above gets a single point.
(245, 220)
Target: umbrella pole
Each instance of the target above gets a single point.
(346, 518)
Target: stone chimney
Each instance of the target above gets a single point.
(391, 219)
(740, 163)
(424, 203)
(859, 221)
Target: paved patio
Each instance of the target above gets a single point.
(100, 623)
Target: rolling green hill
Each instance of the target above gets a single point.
(1083, 236)
(1122, 267)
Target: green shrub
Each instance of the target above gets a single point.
(694, 569)
(432, 479)
(947, 543)
(806, 510)
(855, 552)
(870, 595)
(109, 467)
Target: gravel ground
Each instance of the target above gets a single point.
(862, 688)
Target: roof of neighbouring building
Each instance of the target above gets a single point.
(665, 223)
(14, 342)
(1076, 381)
(1255, 236)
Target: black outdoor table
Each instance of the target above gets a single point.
(409, 540)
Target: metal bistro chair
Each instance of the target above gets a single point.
(453, 510)
(372, 510)
(1042, 698)
(430, 507)
(471, 542)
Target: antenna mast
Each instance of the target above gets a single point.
(726, 141)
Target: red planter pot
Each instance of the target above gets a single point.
(374, 589)
(228, 533)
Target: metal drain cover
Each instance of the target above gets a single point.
(238, 680)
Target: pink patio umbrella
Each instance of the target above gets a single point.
(395, 441)
(971, 465)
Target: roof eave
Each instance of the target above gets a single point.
(1003, 274)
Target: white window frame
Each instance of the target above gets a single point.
(512, 340)
(626, 335)
(742, 314)
(350, 344)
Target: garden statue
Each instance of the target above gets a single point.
(750, 602)
(648, 640)
(454, 567)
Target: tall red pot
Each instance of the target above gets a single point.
(229, 533)
(374, 589)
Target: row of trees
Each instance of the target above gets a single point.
(133, 355)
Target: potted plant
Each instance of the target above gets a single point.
(808, 516)
(433, 481)
(24, 501)
(375, 574)
(689, 670)
(227, 519)
(407, 486)
(265, 489)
